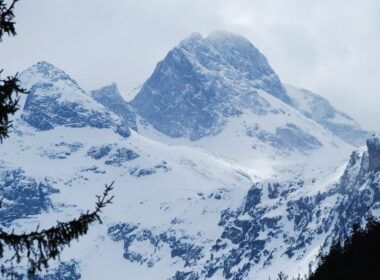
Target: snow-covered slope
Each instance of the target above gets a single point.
(179, 211)
(320, 110)
(167, 196)
(255, 191)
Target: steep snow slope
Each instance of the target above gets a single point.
(320, 110)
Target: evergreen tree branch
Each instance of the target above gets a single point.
(9, 99)
(7, 25)
(40, 246)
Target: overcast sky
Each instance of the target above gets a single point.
(331, 47)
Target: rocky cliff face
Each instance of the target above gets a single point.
(204, 81)
(373, 145)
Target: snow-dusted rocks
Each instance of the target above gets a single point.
(55, 99)
(22, 196)
(109, 96)
(204, 81)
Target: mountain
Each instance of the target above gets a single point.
(202, 82)
(257, 188)
(55, 99)
(221, 94)
(110, 97)
(320, 110)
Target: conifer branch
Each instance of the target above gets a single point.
(40, 246)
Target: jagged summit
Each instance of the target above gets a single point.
(42, 64)
(204, 81)
(223, 51)
(44, 71)
(109, 96)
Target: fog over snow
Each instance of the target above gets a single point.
(330, 47)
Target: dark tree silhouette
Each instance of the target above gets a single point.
(9, 88)
(39, 246)
(357, 259)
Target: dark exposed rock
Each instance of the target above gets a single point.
(180, 247)
(99, 152)
(120, 156)
(373, 145)
(22, 196)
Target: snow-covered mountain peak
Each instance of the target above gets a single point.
(220, 93)
(55, 99)
(44, 72)
(233, 55)
(203, 82)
